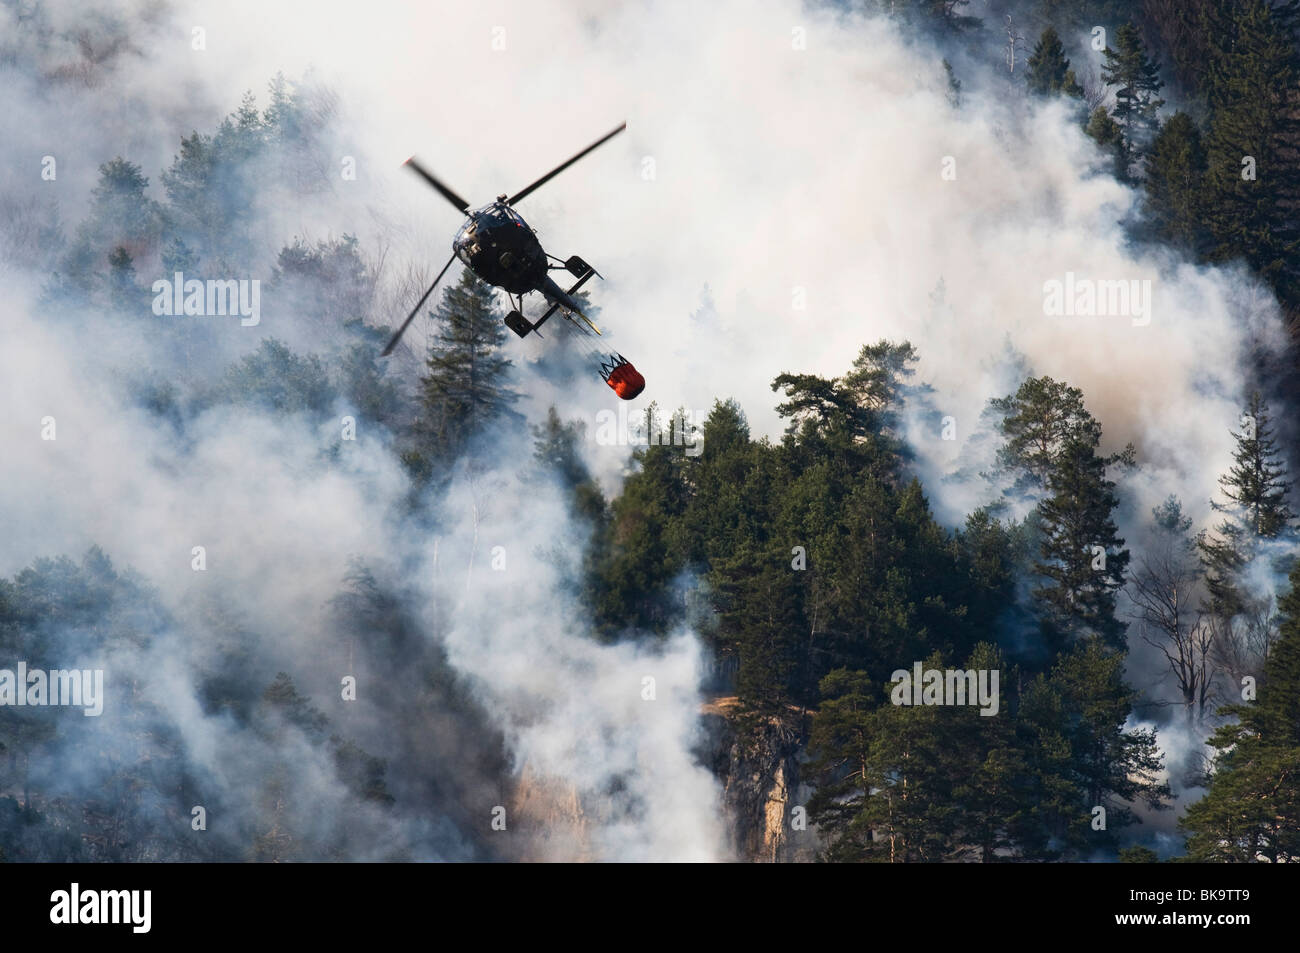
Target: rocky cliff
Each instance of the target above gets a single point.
(758, 764)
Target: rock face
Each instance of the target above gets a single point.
(757, 762)
(550, 824)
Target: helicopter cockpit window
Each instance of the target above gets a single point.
(464, 243)
(498, 216)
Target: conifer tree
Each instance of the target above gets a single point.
(1039, 421)
(123, 291)
(1251, 811)
(760, 617)
(467, 385)
(556, 451)
(1082, 556)
(1049, 71)
(1242, 615)
(643, 550)
(1257, 489)
(992, 796)
(1256, 482)
(1252, 196)
(889, 796)
(1175, 172)
(1106, 133)
(122, 218)
(1081, 755)
(1051, 442)
(1136, 101)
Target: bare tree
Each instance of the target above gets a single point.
(1165, 592)
(1015, 44)
(1095, 92)
(1242, 643)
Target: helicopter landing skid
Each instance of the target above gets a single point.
(519, 324)
(516, 322)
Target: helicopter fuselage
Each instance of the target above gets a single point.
(498, 246)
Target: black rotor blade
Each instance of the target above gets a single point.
(560, 168)
(416, 310)
(443, 190)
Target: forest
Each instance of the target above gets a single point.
(809, 564)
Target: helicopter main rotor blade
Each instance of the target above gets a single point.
(560, 168)
(443, 190)
(416, 310)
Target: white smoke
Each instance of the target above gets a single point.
(618, 722)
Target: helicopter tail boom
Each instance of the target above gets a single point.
(565, 299)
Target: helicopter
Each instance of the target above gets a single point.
(498, 246)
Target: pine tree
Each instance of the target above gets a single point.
(1082, 556)
(556, 451)
(124, 293)
(119, 202)
(1252, 202)
(722, 511)
(466, 387)
(178, 256)
(759, 618)
(1256, 482)
(327, 283)
(1136, 100)
(1256, 488)
(360, 378)
(1175, 172)
(643, 549)
(840, 750)
(991, 794)
(279, 380)
(1081, 755)
(1241, 613)
(1039, 421)
(1106, 133)
(214, 183)
(1051, 442)
(994, 555)
(1251, 811)
(122, 220)
(1179, 29)
(823, 413)
(888, 770)
(881, 381)
(1049, 71)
